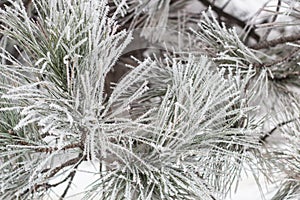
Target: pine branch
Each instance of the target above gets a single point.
(73, 161)
(174, 127)
(230, 18)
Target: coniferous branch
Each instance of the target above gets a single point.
(230, 51)
(287, 73)
(183, 110)
(231, 18)
(69, 103)
(285, 155)
(180, 126)
(54, 83)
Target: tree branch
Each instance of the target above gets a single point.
(72, 161)
(275, 42)
(272, 21)
(75, 161)
(71, 176)
(231, 18)
(25, 144)
(281, 60)
(265, 137)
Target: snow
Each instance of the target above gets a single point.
(249, 190)
(244, 8)
(86, 174)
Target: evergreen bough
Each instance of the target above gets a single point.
(180, 122)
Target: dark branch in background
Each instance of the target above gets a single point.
(272, 21)
(265, 137)
(275, 42)
(70, 162)
(287, 76)
(225, 5)
(75, 161)
(4, 3)
(282, 60)
(7, 3)
(71, 176)
(231, 18)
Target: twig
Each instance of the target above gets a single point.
(275, 42)
(25, 144)
(284, 59)
(73, 161)
(230, 17)
(265, 137)
(272, 21)
(225, 5)
(71, 176)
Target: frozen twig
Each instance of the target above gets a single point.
(265, 137)
(272, 21)
(275, 42)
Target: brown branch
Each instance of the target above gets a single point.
(75, 161)
(52, 172)
(72, 161)
(275, 42)
(71, 176)
(49, 149)
(231, 18)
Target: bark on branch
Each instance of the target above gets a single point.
(275, 42)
